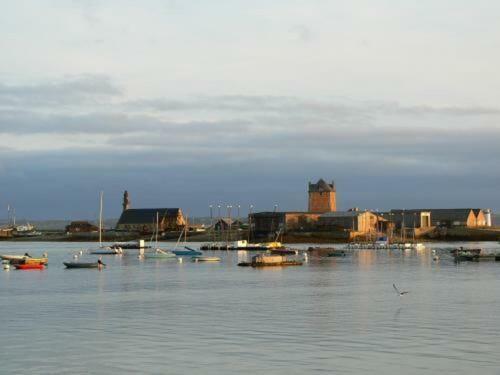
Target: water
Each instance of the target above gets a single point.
(331, 315)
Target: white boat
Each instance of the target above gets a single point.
(107, 251)
(159, 254)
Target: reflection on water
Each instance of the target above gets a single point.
(331, 315)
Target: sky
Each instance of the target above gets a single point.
(197, 102)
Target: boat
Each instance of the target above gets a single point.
(107, 251)
(264, 260)
(320, 251)
(158, 253)
(131, 245)
(243, 245)
(187, 252)
(284, 251)
(12, 257)
(205, 259)
(23, 259)
(466, 255)
(29, 266)
(82, 264)
(104, 250)
(337, 253)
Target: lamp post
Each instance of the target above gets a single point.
(212, 222)
(229, 207)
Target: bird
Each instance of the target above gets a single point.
(401, 293)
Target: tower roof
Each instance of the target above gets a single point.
(321, 186)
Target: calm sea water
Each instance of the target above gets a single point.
(333, 315)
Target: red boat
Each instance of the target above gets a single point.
(29, 266)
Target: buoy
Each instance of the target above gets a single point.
(180, 260)
(81, 252)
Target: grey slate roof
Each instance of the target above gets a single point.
(321, 186)
(343, 214)
(442, 214)
(146, 215)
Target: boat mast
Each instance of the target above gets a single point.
(100, 218)
(157, 228)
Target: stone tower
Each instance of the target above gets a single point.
(126, 201)
(322, 197)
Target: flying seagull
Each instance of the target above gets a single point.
(398, 291)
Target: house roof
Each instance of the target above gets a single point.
(342, 214)
(146, 215)
(228, 221)
(439, 214)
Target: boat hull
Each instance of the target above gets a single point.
(33, 266)
(205, 259)
(81, 264)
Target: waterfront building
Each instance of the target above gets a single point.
(439, 217)
(360, 222)
(322, 197)
(415, 218)
(225, 223)
(480, 217)
(282, 222)
(143, 220)
(81, 227)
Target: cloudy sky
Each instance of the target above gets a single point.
(195, 102)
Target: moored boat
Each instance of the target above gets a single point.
(159, 254)
(337, 253)
(107, 251)
(466, 255)
(187, 252)
(264, 260)
(284, 251)
(29, 266)
(205, 259)
(82, 264)
(23, 259)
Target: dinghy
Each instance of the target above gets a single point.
(82, 264)
(205, 259)
(187, 251)
(29, 266)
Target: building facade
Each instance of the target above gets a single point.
(322, 197)
(263, 223)
(143, 220)
(418, 219)
(353, 221)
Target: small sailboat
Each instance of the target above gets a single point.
(104, 250)
(156, 252)
(187, 252)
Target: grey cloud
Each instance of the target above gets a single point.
(72, 90)
(284, 104)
